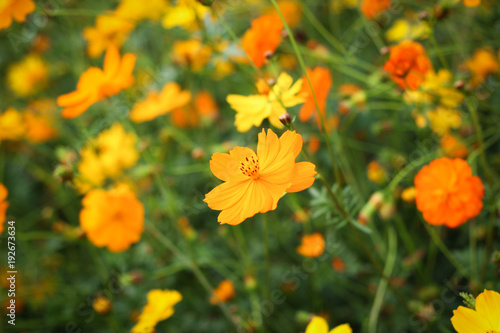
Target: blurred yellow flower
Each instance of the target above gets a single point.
(319, 325)
(11, 125)
(338, 6)
(102, 305)
(157, 104)
(160, 307)
(404, 29)
(3, 205)
(138, 10)
(39, 121)
(252, 110)
(442, 119)
(185, 14)
(440, 85)
(113, 151)
(96, 84)
(191, 53)
(109, 30)
(223, 293)
(311, 246)
(28, 76)
(14, 9)
(481, 64)
(471, 3)
(409, 194)
(376, 173)
(114, 218)
(484, 318)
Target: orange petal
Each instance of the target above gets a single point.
(303, 177)
(223, 166)
(111, 61)
(72, 98)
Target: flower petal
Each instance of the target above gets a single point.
(303, 177)
(317, 325)
(344, 328)
(466, 320)
(488, 305)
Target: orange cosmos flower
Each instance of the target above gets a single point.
(482, 64)
(471, 3)
(408, 64)
(321, 81)
(95, 84)
(3, 205)
(109, 30)
(223, 293)
(448, 193)
(453, 147)
(14, 9)
(263, 37)
(204, 109)
(156, 104)
(114, 218)
(39, 121)
(291, 10)
(371, 8)
(312, 246)
(255, 182)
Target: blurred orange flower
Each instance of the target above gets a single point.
(160, 307)
(338, 264)
(448, 193)
(453, 147)
(40, 122)
(114, 218)
(408, 64)
(255, 182)
(372, 8)
(321, 81)
(262, 38)
(482, 64)
(376, 172)
(95, 84)
(192, 53)
(223, 293)
(3, 205)
(14, 9)
(157, 104)
(312, 246)
(109, 30)
(204, 108)
(471, 3)
(290, 9)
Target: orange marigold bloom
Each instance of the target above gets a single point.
(408, 64)
(312, 246)
(3, 205)
(371, 8)
(321, 81)
(448, 193)
(223, 293)
(255, 182)
(263, 37)
(14, 9)
(95, 84)
(114, 218)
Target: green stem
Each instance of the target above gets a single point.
(479, 132)
(473, 250)
(267, 273)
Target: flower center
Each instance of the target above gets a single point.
(250, 167)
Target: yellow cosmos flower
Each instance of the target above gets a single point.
(485, 319)
(404, 29)
(442, 120)
(14, 9)
(319, 325)
(254, 182)
(252, 110)
(138, 10)
(106, 157)
(440, 86)
(191, 53)
(28, 76)
(157, 104)
(109, 30)
(114, 219)
(185, 14)
(160, 307)
(11, 125)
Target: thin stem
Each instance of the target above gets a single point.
(479, 132)
(267, 273)
(473, 250)
(438, 50)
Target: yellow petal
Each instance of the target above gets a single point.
(345, 328)
(317, 325)
(466, 320)
(488, 305)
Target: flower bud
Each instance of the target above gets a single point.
(286, 119)
(102, 305)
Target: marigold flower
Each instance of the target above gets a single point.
(484, 318)
(110, 30)
(312, 246)
(482, 63)
(11, 125)
(408, 64)
(191, 53)
(39, 121)
(113, 151)
(3, 205)
(263, 37)
(448, 193)
(28, 76)
(95, 84)
(14, 10)
(321, 81)
(223, 293)
(157, 104)
(160, 307)
(372, 8)
(319, 325)
(252, 110)
(114, 218)
(254, 182)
